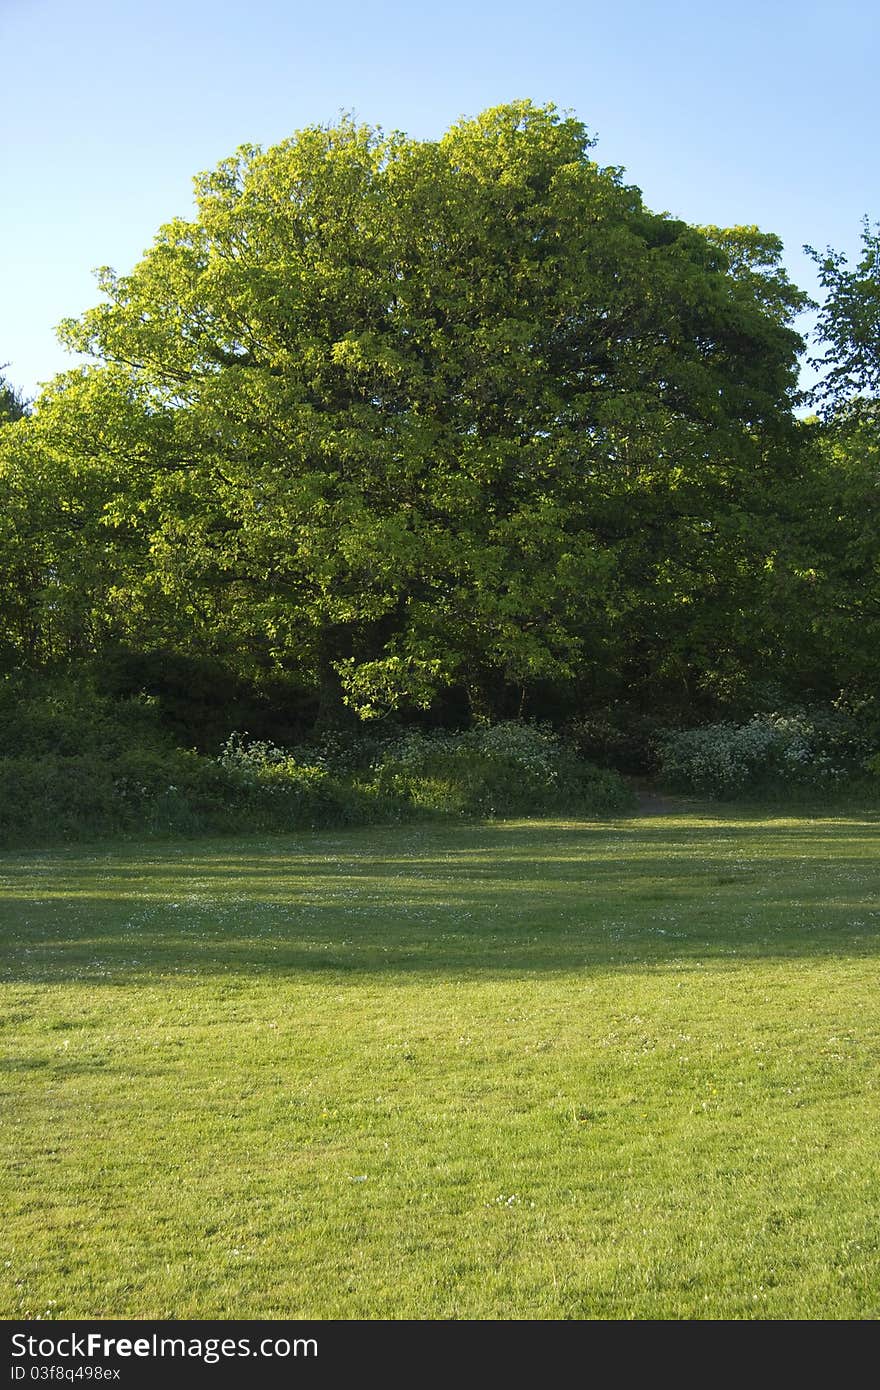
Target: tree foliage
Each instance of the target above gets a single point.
(406, 415)
(13, 405)
(840, 503)
(401, 417)
(849, 322)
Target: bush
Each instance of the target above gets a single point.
(492, 770)
(55, 798)
(69, 718)
(78, 765)
(296, 788)
(496, 770)
(816, 749)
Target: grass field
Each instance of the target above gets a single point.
(526, 1070)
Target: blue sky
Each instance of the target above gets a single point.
(762, 113)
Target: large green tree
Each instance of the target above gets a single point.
(457, 412)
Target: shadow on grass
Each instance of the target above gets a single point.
(510, 898)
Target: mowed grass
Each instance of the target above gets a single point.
(526, 1070)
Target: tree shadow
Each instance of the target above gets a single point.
(492, 900)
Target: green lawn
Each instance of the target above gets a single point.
(527, 1070)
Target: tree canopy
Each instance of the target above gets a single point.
(409, 414)
(398, 417)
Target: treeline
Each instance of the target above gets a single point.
(449, 431)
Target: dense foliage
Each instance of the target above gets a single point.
(849, 323)
(12, 404)
(75, 763)
(450, 431)
(772, 752)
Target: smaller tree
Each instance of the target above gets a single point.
(849, 324)
(842, 509)
(13, 405)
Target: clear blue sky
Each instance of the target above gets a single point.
(762, 113)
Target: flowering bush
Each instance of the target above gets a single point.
(807, 749)
(493, 769)
(288, 788)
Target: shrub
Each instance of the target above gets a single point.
(89, 767)
(55, 798)
(496, 770)
(816, 749)
(492, 770)
(69, 718)
(292, 788)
